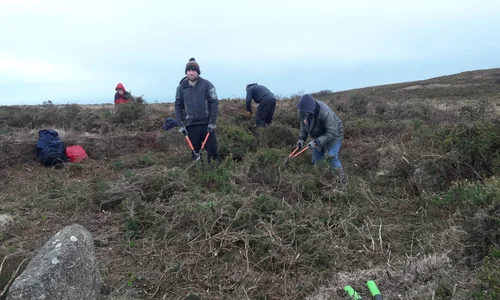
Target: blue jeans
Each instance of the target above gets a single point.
(333, 153)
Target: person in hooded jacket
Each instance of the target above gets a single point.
(196, 108)
(266, 100)
(121, 95)
(325, 128)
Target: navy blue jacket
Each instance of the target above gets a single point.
(258, 93)
(196, 104)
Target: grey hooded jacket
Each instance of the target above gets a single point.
(196, 104)
(324, 126)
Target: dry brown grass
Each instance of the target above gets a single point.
(254, 228)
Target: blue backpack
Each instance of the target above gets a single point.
(50, 149)
(169, 124)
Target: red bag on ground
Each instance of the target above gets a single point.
(76, 153)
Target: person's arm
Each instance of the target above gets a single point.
(249, 99)
(213, 103)
(331, 126)
(179, 107)
(303, 132)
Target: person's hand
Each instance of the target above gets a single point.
(183, 130)
(300, 144)
(197, 154)
(314, 144)
(211, 127)
(249, 113)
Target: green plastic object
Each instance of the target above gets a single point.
(352, 293)
(372, 286)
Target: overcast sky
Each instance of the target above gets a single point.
(77, 51)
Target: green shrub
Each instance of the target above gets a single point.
(235, 141)
(381, 108)
(278, 135)
(358, 105)
(470, 193)
(489, 276)
(261, 166)
(208, 178)
(129, 112)
(477, 144)
(287, 118)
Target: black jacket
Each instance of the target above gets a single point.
(196, 104)
(258, 93)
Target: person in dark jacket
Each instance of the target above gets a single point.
(196, 109)
(266, 100)
(323, 125)
(121, 95)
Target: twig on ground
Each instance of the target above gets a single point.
(3, 295)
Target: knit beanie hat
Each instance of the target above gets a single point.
(192, 65)
(307, 104)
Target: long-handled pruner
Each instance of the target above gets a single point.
(295, 153)
(191, 147)
(203, 144)
(198, 154)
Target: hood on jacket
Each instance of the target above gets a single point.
(250, 84)
(120, 86)
(307, 104)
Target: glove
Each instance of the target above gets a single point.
(183, 130)
(211, 127)
(249, 113)
(315, 144)
(300, 144)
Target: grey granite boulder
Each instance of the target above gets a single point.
(65, 268)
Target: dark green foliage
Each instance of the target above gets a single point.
(477, 145)
(358, 105)
(235, 141)
(129, 112)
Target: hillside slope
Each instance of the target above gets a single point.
(419, 214)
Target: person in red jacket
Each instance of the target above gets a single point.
(121, 95)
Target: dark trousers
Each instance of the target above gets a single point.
(265, 112)
(197, 134)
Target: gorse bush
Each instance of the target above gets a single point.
(277, 136)
(478, 146)
(235, 141)
(358, 105)
(129, 112)
(489, 289)
(470, 193)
